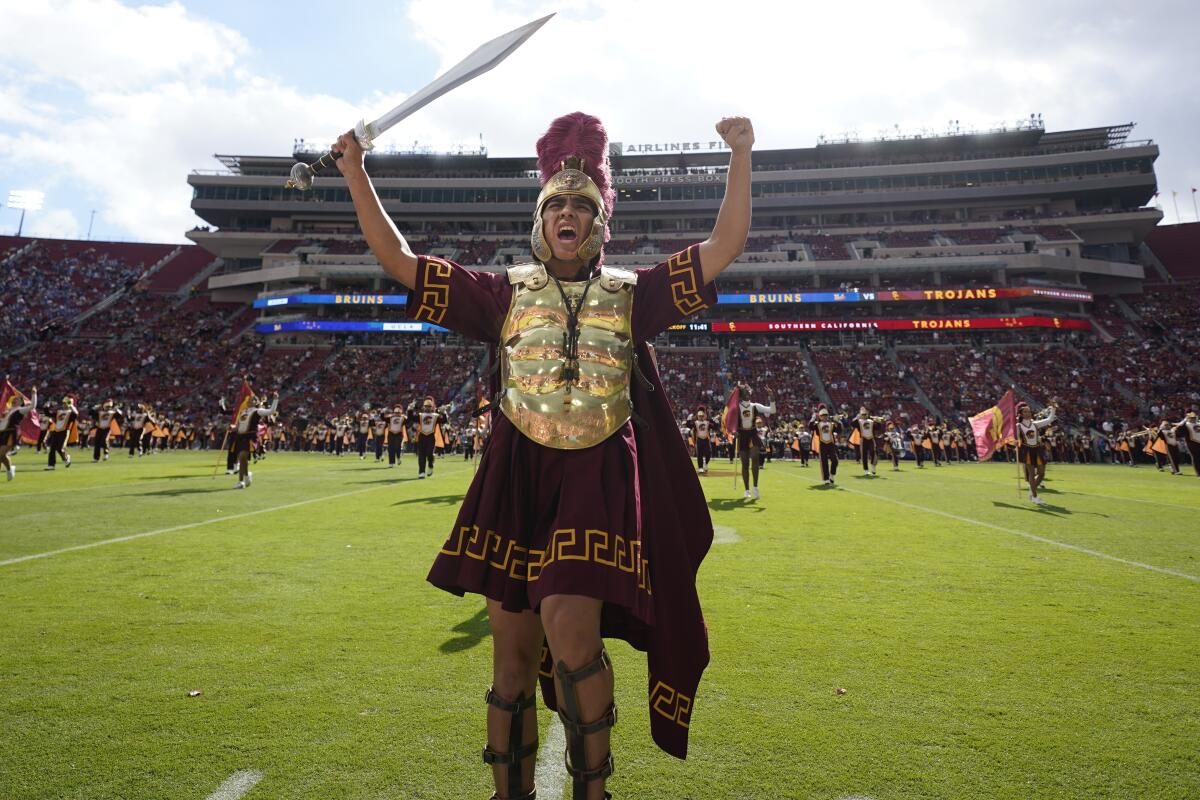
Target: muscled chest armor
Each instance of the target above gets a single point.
(558, 401)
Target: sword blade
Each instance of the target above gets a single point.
(484, 58)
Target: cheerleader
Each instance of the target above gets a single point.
(1030, 449)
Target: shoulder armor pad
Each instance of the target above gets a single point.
(533, 276)
(613, 278)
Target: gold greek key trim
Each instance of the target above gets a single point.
(524, 564)
(435, 291)
(673, 705)
(684, 291)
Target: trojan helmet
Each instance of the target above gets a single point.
(573, 160)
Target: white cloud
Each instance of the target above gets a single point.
(135, 109)
(103, 44)
(53, 223)
(126, 100)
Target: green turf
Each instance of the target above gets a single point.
(978, 662)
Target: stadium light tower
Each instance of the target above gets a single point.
(26, 200)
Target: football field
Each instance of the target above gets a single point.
(987, 648)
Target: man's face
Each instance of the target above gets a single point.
(566, 222)
(427, 406)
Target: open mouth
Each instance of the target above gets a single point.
(567, 234)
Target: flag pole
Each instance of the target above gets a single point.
(217, 465)
(1195, 213)
(1016, 434)
(1017, 458)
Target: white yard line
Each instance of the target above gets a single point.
(236, 785)
(723, 534)
(134, 484)
(550, 774)
(1015, 532)
(190, 525)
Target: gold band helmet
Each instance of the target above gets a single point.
(570, 180)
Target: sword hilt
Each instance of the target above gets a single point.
(302, 174)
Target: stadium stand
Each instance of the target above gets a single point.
(1178, 248)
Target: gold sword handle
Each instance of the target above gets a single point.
(302, 174)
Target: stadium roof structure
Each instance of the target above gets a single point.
(1000, 143)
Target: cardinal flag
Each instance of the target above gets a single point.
(729, 420)
(995, 427)
(245, 395)
(31, 426)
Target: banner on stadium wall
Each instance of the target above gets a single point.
(347, 326)
(930, 324)
(755, 298)
(888, 296)
(344, 299)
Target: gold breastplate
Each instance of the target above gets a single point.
(565, 411)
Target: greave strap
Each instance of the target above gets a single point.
(514, 756)
(582, 777)
(607, 721)
(522, 703)
(576, 729)
(516, 752)
(569, 679)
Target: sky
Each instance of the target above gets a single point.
(107, 106)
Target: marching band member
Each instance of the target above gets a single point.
(10, 424)
(428, 419)
(60, 429)
(564, 458)
(825, 433)
(749, 442)
(895, 445)
(134, 434)
(1166, 433)
(1030, 450)
(395, 437)
(701, 429)
(466, 439)
(363, 431)
(804, 439)
(1189, 429)
(379, 429)
(44, 424)
(246, 432)
(867, 427)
